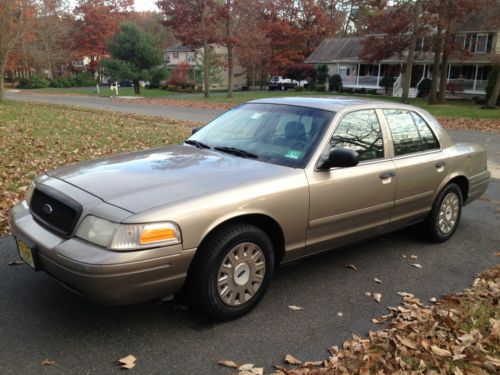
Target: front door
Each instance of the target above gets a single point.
(352, 202)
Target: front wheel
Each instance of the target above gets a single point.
(445, 216)
(231, 272)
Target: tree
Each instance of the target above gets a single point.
(134, 55)
(321, 73)
(493, 88)
(98, 21)
(12, 16)
(193, 24)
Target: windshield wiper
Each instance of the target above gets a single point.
(237, 152)
(197, 143)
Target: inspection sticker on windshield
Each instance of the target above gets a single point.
(292, 154)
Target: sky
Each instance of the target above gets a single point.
(141, 5)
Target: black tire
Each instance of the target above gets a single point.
(431, 225)
(204, 271)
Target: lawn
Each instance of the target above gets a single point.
(36, 137)
(453, 108)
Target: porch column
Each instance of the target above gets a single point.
(338, 68)
(449, 72)
(423, 73)
(357, 75)
(378, 76)
(475, 78)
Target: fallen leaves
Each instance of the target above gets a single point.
(460, 123)
(295, 308)
(459, 334)
(291, 360)
(16, 263)
(228, 363)
(48, 362)
(127, 362)
(377, 297)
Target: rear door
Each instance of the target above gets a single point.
(420, 164)
(347, 203)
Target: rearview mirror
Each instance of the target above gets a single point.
(194, 130)
(341, 158)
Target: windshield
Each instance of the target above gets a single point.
(274, 133)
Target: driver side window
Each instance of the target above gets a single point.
(360, 131)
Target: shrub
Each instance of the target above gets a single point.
(387, 83)
(60, 82)
(298, 88)
(490, 85)
(84, 79)
(335, 83)
(320, 88)
(373, 92)
(34, 82)
(424, 88)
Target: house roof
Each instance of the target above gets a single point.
(487, 19)
(338, 49)
(180, 48)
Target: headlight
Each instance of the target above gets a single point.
(124, 237)
(29, 193)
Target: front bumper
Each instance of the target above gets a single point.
(103, 276)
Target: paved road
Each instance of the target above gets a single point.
(39, 319)
(108, 104)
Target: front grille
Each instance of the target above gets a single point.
(54, 210)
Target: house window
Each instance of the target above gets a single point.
(481, 43)
(176, 55)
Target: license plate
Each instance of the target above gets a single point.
(26, 253)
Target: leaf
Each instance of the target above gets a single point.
(416, 265)
(340, 314)
(48, 362)
(377, 297)
(295, 308)
(413, 257)
(407, 342)
(351, 266)
(258, 370)
(228, 363)
(291, 360)
(16, 263)
(494, 361)
(127, 362)
(368, 294)
(440, 352)
(246, 367)
(378, 281)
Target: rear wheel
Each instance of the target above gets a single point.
(445, 216)
(231, 272)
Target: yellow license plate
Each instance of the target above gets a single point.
(25, 253)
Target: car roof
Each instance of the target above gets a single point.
(331, 103)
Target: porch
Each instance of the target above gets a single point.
(461, 79)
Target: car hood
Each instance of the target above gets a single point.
(143, 180)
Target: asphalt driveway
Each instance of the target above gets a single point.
(41, 320)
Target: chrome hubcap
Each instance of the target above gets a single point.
(448, 213)
(241, 274)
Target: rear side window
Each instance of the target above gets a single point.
(404, 132)
(410, 133)
(429, 140)
(360, 131)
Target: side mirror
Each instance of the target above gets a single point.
(194, 130)
(341, 158)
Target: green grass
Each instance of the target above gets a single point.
(453, 108)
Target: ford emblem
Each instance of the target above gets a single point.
(47, 209)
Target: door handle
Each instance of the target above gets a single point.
(386, 175)
(440, 164)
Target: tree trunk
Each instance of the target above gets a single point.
(137, 88)
(411, 53)
(3, 64)
(492, 101)
(443, 80)
(230, 65)
(435, 67)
